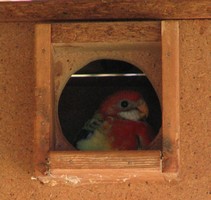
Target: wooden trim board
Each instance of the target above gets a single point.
(44, 98)
(170, 96)
(145, 160)
(128, 32)
(104, 10)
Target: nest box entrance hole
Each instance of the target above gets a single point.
(88, 88)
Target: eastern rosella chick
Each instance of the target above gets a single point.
(118, 124)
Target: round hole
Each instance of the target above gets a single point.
(89, 86)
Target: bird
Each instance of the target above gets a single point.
(118, 124)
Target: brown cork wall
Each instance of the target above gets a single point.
(17, 113)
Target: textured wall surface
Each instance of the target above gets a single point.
(17, 78)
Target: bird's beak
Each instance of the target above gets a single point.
(143, 108)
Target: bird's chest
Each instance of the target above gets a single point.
(122, 135)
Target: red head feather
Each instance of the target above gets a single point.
(111, 105)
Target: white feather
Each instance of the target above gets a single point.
(133, 115)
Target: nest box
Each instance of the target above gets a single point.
(67, 51)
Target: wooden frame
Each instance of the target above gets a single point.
(52, 164)
(104, 10)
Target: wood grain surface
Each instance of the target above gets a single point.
(170, 96)
(106, 32)
(43, 140)
(104, 10)
(148, 160)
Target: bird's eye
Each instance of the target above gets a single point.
(124, 104)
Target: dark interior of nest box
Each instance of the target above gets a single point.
(90, 85)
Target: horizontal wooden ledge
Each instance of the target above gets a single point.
(80, 160)
(106, 32)
(104, 10)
